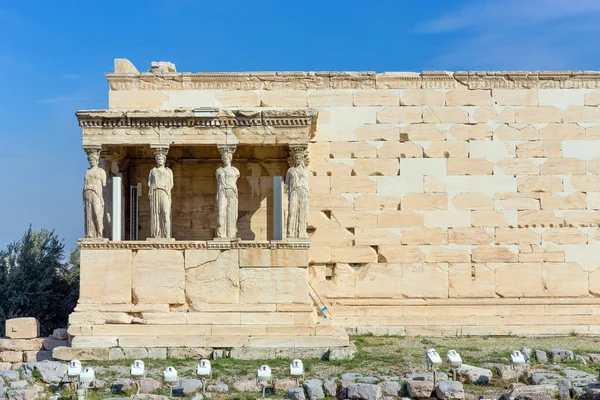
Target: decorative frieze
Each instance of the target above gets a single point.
(191, 245)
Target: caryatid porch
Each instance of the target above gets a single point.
(192, 288)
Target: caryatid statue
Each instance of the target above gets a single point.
(93, 202)
(160, 183)
(227, 195)
(296, 180)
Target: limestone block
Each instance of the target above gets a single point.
(378, 131)
(379, 280)
(517, 132)
(330, 98)
(519, 280)
(581, 114)
(11, 356)
(515, 97)
(341, 283)
(585, 183)
(446, 254)
(332, 236)
(461, 97)
(517, 166)
(469, 166)
(21, 344)
(564, 280)
(22, 328)
(517, 236)
(472, 132)
(539, 218)
(423, 166)
(519, 202)
(399, 254)
(496, 148)
(376, 167)
(443, 115)
(82, 354)
(400, 149)
(425, 280)
(400, 115)
(158, 276)
(105, 276)
(351, 150)
(592, 98)
(545, 114)
(581, 148)
(563, 166)
(471, 280)
(447, 219)
(189, 99)
(562, 132)
(422, 132)
(283, 98)
(446, 149)
(237, 98)
(494, 254)
(398, 185)
(216, 318)
(93, 341)
(489, 218)
(592, 132)
(36, 356)
(400, 219)
(563, 201)
(137, 100)
(546, 148)
(165, 318)
(423, 97)
(493, 115)
(376, 236)
(274, 285)
(319, 184)
(424, 201)
(582, 218)
(256, 257)
(548, 184)
(593, 166)
(376, 97)
(562, 98)
(375, 202)
(353, 254)
(593, 201)
(424, 236)
(473, 201)
(353, 184)
(353, 117)
(468, 236)
(349, 219)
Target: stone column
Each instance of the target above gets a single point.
(117, 208)
(160, 183)
(278, 208)
(93, 197)
(298, 191)
(227, 194)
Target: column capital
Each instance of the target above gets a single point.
(93, 149)
(227, 148)
(159, 149)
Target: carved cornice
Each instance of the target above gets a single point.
(191, 245)
(354, 80)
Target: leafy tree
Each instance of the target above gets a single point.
(35, 282)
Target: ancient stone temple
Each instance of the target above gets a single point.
(236, 206)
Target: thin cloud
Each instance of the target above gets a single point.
(517, 34)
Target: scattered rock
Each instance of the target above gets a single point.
(510, 372)
(527, 352)
(420, 388)
(539, 378)
(97, 384)
(5, 366)
(183, 353)
(559, 355)
(190, 385)
(471, 374)
(564, 389)
(49, 371)
(350, 376)
(149, 397)
(218, 387)
(577, 392)
(149, 385)
(592, 393)
(541, 356)
(23, 394)
(18, 384)
(538, 392)
(342, 353)
(10, 376)
(123, 384)
(364, 391)
(582, 359)
(296, 393)
(427, 376)
(50, 343)
(60, 334)
(220, 353)
(199, 396)
(368, 379)
(314, 389)
(449, 390)
(284, 384)
(577, 374)
(594, 357)
(246, 385)
(391, 388)
(331, 387)
(81, 354)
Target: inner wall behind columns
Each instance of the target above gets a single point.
(194, 208)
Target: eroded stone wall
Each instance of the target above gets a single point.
(439, 204)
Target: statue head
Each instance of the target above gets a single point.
(161, 159)
(93, 156)
(226, 154)
(298, 159)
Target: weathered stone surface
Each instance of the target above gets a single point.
(449, 390)
(559, 355)
(510, 372)
(10, 376)
(190, 385)
(50, 343)
(212, 276)
(420, 389)
(246, 385)
(60, 334)
(49, 371)
(82, 354)
(105, 276)
(23, 394)
(391, 388)
(21, 344)
(149, 397)
(364, 391)
(331, 387)
(158, 277)
(314, 389)
(471, 374)
(22, 328)
(29, 356)
(257, 353)
(542, 377)
(296, 393)
(541, 356)
(189, 353)
(538, 392)
(218, 387)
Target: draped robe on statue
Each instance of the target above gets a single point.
(160, 182)
(93, 202)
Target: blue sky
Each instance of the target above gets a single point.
(54, 55)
